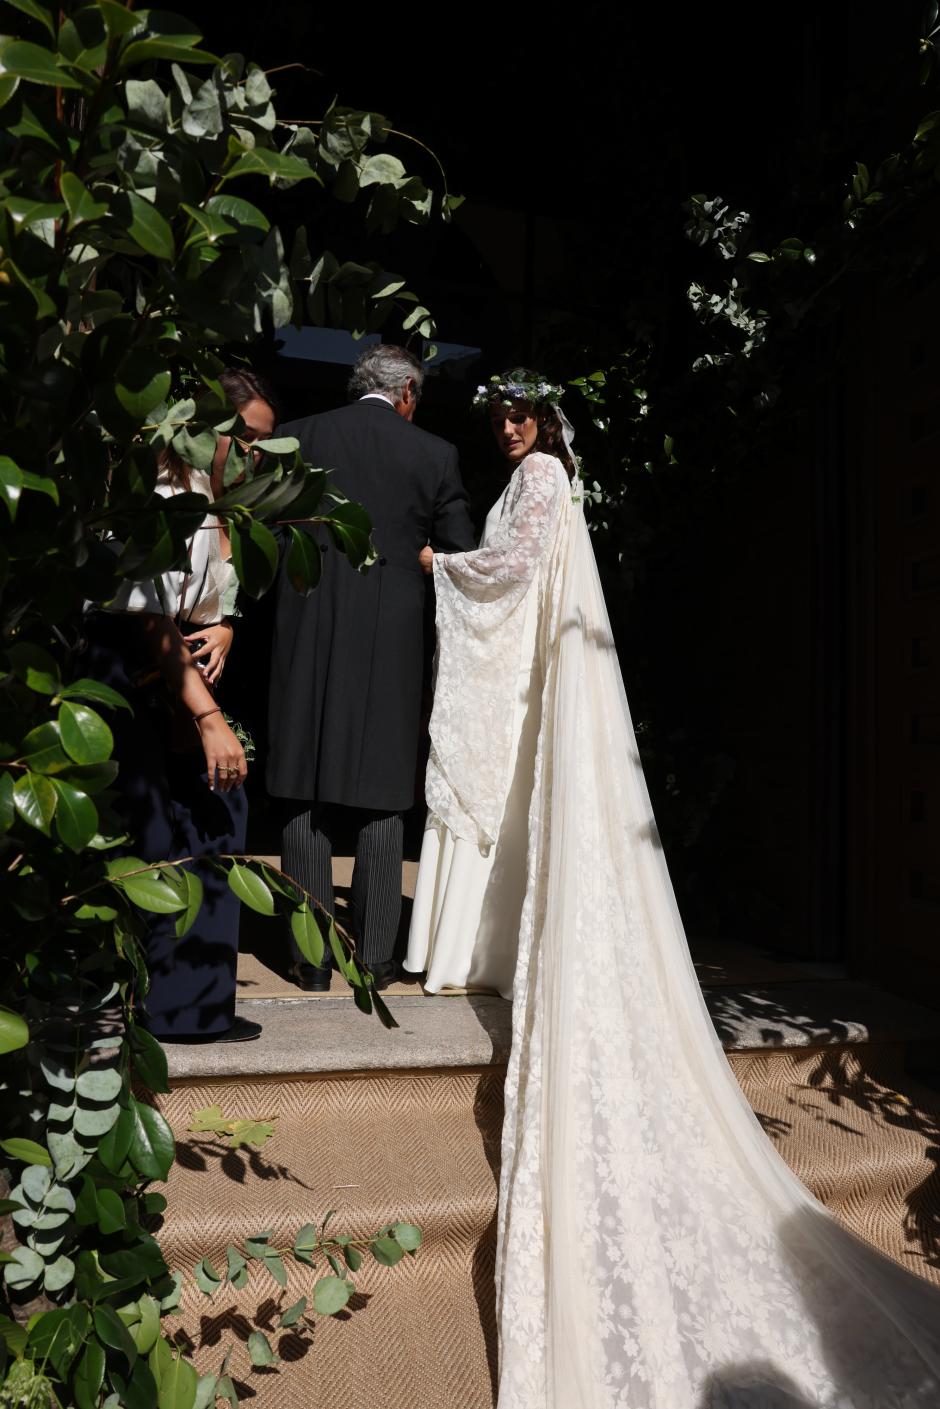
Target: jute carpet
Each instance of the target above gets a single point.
(423, 1147)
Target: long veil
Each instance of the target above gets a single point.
(655, 1252)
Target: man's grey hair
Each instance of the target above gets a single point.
(385, 369)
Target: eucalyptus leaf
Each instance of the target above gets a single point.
(292, 1315)
(99, 1084)
(331, 1294)
(259, 1350)
(25, 1268)
(58, 1274)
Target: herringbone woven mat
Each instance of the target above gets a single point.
(420, 1147)
(863, 1135)
(423, 1146)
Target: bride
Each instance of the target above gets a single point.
(654, 1251)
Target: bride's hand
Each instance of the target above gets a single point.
(426, 558)
(216, 644)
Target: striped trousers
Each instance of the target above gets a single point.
(312, 834)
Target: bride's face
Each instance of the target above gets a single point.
(515, 428)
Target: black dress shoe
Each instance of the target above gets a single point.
(241, 1031)
(384, 973)
(312, 979)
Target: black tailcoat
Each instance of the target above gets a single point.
(347, 660)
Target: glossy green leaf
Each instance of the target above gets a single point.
(82, 205)
(85, 735)
(112, 1215)
(194, 896)
(254, 556)
(149, 229)
(165, 47)
(7, 809)
(260, 161)
(58, 1336)
(152, 892)
(307, 935)
(147, 1330)
(26, 1151)
(118, 18)
(26, 212)
(88, 1376)
(331, 1294)
(76, 816)
(238, 212)
(114, 1147)
(42, 749)
(35, 801)
(152, 1147)
(111, 1331)
(94, 690)
(149, 1058)
(11, 484)
(35, 667)
(33, 64)
(251, 889)
(143, 382)
(304, 562)
(14, 1031)
(36, 11)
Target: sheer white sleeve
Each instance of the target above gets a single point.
(480, 618)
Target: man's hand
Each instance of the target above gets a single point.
(216, 644)
(426, 558)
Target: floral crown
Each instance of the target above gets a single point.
(517, 386)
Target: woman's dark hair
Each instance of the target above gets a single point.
(549, 439)
(240, 385)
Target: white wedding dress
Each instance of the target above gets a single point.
(654, 1251)
(468, 902)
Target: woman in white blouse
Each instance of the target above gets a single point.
(163, 644)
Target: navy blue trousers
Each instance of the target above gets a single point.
(167, 806)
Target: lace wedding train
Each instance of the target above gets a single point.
(654, 1250)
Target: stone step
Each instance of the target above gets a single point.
(326, 1034)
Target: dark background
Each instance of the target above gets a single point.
(754, 636)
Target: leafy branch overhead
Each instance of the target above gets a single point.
(139, 178)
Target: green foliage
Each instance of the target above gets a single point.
(134, 251)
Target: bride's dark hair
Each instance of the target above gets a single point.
(549, 439)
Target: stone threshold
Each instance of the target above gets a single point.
(302, 1037)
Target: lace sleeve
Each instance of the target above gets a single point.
(481, 601)
(510, 557)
